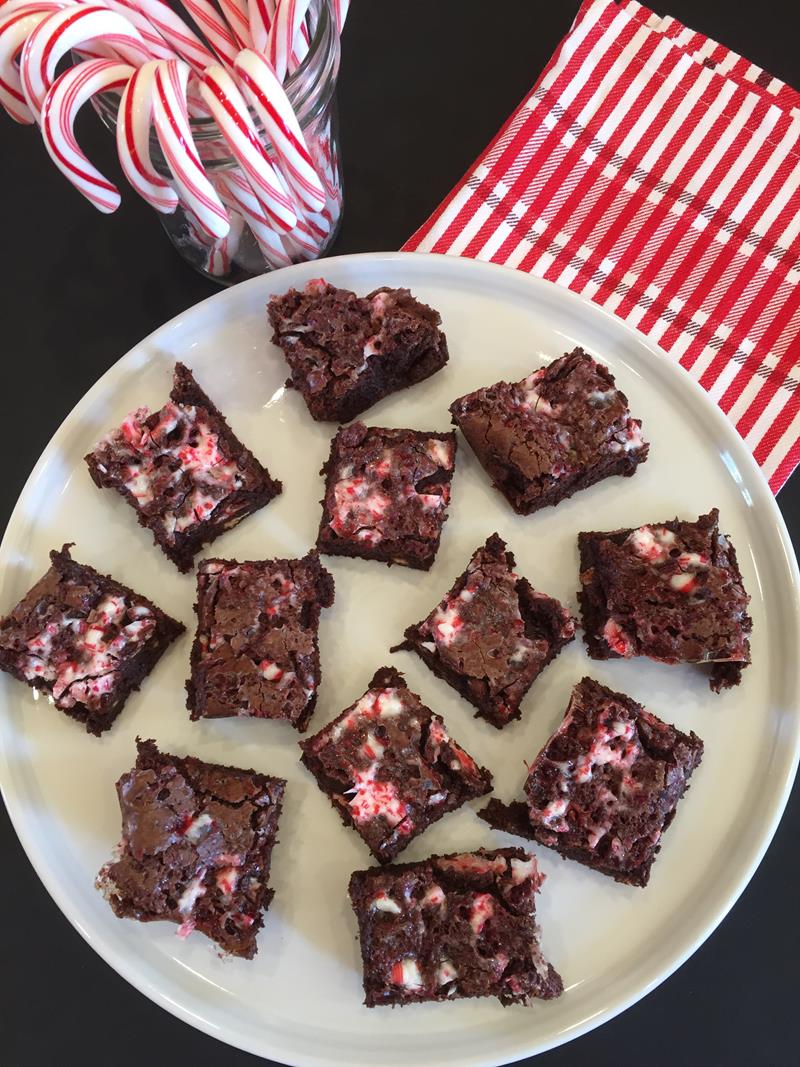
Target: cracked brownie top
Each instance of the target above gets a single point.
(196, 845)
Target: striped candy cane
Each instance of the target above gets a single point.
(266, 96)
(225, 102)
(134, 118)
(156, 45)
(235, 13)
(340, 9)
(171, 120)
(261, 14)
(215, 29)
(67, 29)
(61, 105)
(17, 22)
(236, 193)
(289, 14)
(175, 32)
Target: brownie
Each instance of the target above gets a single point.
(196, 845)
(561, 429)
(85, 640)
(389, 766)
(346, 352)
(183, 470)
(492, 635)
(453, 926)
(386, 494)
(256, 651)
(605, 786)
(671, 591)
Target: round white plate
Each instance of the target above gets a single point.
(299, 1001)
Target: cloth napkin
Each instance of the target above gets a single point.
(656, 172)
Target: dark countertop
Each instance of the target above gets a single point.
(424, 86)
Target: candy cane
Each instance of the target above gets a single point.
(174, 31)
(221, 254)
(262, 14)
(61, 105)
(235, 13)
(340, 9)
(17, 22)
(289, 14)
(63, 30)
(236, 192)
(266, 96)
(171, 121)
(225, 102)
(134, 117)
(156, 45)
(214, 27)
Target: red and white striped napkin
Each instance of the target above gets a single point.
(658, 173)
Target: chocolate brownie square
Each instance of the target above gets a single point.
(386, 494)
(256, 651)
(671, 591)
(183, 470)
(390, 768)
(561, 429)
(346, 352)
(606, 785)
(85, 640)
(453, 926)
(197, 841)
(492, 635)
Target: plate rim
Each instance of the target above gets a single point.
(127, 968)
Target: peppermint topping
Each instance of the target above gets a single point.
(387, 484)
(481, 911)
(652, 543)
(446, 624)
(434, 897)
(383, 902)
(179, 456)
(198, 827)
(227, 880)
(617, 640)
(191, 894)
(374, 798)
(445, 972)
(406, 973)
(81, 657)
(522, 870)
(440, 452)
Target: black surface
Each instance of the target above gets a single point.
(425, 84)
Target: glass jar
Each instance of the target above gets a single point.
(311, 90)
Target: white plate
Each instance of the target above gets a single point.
(300, 1000)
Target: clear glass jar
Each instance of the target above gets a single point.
(311, 90)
